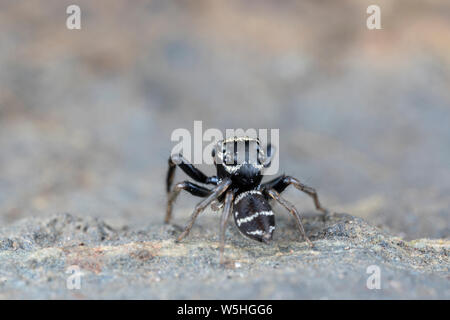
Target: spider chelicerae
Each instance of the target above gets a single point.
(238, 188)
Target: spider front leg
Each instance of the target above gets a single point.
(282, 182)
(189, 169)
(215, 193)
(227, 209)
(290, 207)
(190, 187)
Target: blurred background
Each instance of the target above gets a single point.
(364, 115)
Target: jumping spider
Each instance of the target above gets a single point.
(250, 198)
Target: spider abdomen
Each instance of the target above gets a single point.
(253, 215)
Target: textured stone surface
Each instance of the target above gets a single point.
(147, 263)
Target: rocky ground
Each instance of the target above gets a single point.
(35, 257)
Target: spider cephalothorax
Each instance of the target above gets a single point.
(239, 162)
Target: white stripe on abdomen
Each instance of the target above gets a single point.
(253, 216)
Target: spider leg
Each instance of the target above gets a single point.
(282, 182)
(227, 209)
(189, 169)
(290, 207)
(215, 193)
(272, 184)
(190, 187)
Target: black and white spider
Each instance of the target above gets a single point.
(238, 185)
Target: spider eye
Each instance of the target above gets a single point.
(228, 158)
